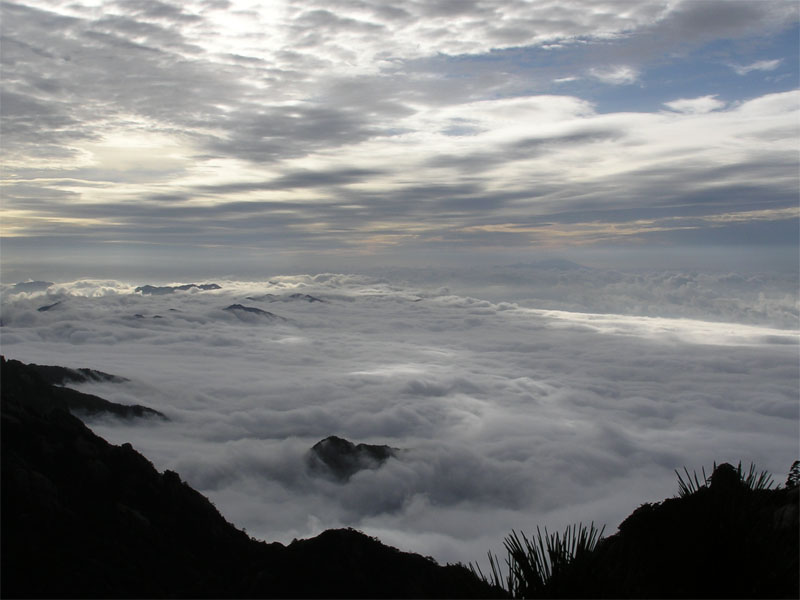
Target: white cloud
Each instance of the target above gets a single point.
(512, 417)
(616, 75)
(695, 106)
(760, 65)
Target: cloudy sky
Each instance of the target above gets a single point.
(205, 135)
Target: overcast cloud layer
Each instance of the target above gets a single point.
(512, 416)
(211, 131)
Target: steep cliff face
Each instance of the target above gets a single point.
(83, 518)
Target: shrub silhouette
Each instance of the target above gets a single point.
(754, 480)
(541, 565)
(731, 534)
(793, 480)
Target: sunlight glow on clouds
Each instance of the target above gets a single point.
(307, 127)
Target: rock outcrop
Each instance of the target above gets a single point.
(341, 459)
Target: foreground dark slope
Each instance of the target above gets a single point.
(731, 535)
(84, 518)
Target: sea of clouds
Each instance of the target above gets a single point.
(513, 413)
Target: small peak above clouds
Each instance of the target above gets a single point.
(290, 298)
(245, 312)
(47, 307)
(342, 458)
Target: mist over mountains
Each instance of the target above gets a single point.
(84, 518)
(509, 415)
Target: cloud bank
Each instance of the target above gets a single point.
(509, 416)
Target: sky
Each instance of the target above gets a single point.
(209, 137)
(510, 415)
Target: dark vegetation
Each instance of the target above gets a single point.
(83, 518)
(341, 459)
(727, 535)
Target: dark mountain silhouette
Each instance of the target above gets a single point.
(37, 382)
(62, 375)
(341, 458)
(304, 297)
(239, 309)
(155, 290)
(32, 286)
(732, 536)
(83, 518)
(290, 297)
(723, 540)
(47, 307)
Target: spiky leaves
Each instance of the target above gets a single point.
(753, 479)
(541, 565)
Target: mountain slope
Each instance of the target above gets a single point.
(83, 518)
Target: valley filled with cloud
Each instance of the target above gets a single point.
(506, 415)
